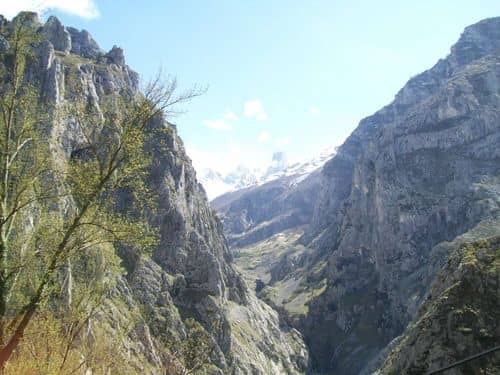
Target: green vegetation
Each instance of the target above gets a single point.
(192, 355)
(294, 290)
(257, 260)
(60, 217)
(49, 348)
(458, 319)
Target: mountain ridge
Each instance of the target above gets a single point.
(419, 172)
(189, 273)
(411, 184)
(217, 184)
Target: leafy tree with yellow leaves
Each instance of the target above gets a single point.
(52, 213)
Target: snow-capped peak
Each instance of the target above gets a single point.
(216, 184)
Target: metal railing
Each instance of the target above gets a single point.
(465, 360)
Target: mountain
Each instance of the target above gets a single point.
(406, 187)
(189, 274)
(458, 319)
(279, 163)
(300, 170)
(385, 259)
(282, 199)
(252, 214)
(366, 251)
(217, 184)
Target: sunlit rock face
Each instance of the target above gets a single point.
(282, 200)
(411, 178)
(256, 213)
(190, 272)
(412, 183)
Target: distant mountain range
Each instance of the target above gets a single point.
(217, 184)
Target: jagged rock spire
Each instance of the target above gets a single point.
(57, 34)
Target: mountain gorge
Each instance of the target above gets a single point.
(381, 257)
(188, 274)
(282, 198)
(411, 185)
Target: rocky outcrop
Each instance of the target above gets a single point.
(458, 319)
(57, 34)
(115, 56)
(82, 44)
(190, 272)
(253, 214)
(415, 175)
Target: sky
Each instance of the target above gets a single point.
(282, 75)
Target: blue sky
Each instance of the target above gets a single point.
(293, 76)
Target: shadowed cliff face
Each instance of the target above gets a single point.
(458, 319)
(421, 171)
(189, 273)
(256, 213)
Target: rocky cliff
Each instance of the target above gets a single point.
(190, 272)
(281, 199)
(258, 212)
(458, 319)
(412, 184)
(412, 180)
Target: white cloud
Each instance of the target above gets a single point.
(227, 158)
(263, 137)
(222, 123)
(82, 8)
(230, 116)
(217, 124)
(314, 110)
(254, 109)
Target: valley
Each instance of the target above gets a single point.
(380, 256)
(413, 184)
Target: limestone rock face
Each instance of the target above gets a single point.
(4, 44)
(82, 44)
(418, 173)
(28, 18)
(115, 56)
(458, 319)
(190, 271)
(57, 34)
(256, 213)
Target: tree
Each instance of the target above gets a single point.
(193, 354)
(54, 209)
(58, 342)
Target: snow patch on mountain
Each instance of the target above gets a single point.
(216, 183)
